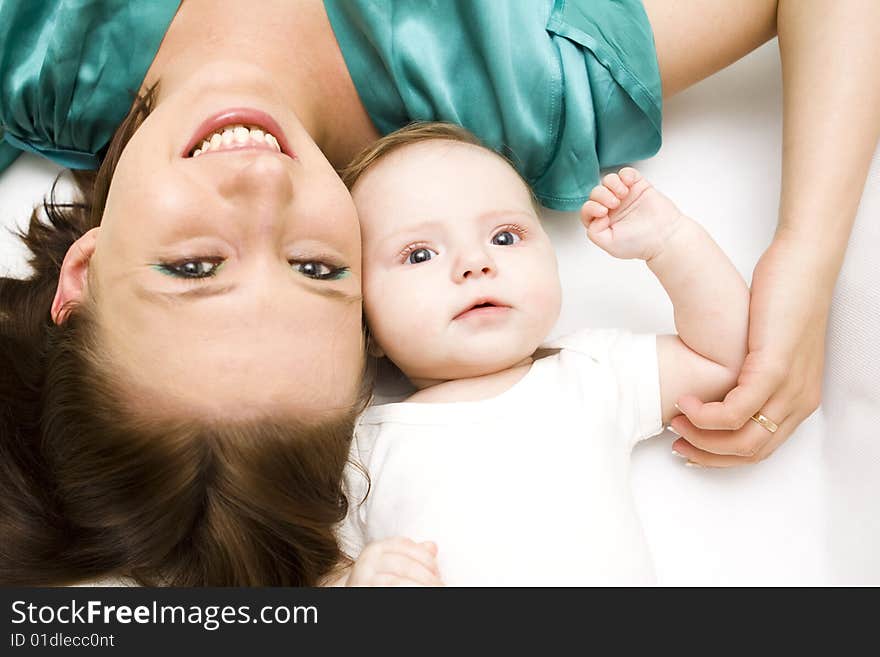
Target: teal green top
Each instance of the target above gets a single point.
(562, 87)
(70, 70)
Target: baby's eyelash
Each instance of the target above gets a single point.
(415, 246)
(409, 248)
(516, 228)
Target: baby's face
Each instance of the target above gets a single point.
(459, 277)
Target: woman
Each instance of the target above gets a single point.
(217, 303)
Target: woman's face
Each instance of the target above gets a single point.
(230, 282)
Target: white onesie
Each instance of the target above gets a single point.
(530, 487)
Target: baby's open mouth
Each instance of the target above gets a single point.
(482, 307)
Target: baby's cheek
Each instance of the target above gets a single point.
(402, 320)
(543, 295)
(415, 321)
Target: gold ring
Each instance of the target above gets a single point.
(765, 422)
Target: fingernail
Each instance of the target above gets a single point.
(671, 429)
(692, 464)
(679, 454)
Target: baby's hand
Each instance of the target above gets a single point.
(627, 217)
(396, 562)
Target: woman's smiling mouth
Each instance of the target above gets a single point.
(235, 137)
(238, 129)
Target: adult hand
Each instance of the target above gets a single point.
(781, 377)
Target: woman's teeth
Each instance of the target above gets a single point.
(233, 137)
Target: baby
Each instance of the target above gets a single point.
(513, 454)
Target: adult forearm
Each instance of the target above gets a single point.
(709, 296)
(831, 123)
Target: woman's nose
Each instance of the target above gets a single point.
(257, 179)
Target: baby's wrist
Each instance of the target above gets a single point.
(677, 237)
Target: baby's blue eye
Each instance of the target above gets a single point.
(190, 268)
(505, 238)
(420, 255)
(320, 270)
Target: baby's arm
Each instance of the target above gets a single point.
(628, 218)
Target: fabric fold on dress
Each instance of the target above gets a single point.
(69, 72)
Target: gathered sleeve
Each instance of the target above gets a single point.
(69, 72)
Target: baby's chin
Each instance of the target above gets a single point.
(469, 368)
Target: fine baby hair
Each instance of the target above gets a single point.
(414, 133)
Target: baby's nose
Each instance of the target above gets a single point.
(475, 264)
(469, 273)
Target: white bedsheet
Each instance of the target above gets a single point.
(806, 516)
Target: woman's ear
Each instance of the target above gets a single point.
(74, 276)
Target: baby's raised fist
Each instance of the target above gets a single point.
(627, 217)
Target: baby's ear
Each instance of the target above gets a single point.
(373, 349)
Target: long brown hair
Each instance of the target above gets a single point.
(90, 488)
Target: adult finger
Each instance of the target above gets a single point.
(740, 447)
(744, 441)
(701, 459)
(747, 398)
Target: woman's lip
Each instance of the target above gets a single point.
(235, 148)
(244, 116)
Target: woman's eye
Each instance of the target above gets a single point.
(505, 238)
(420, 255)
(191, 268)
(320, 270)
